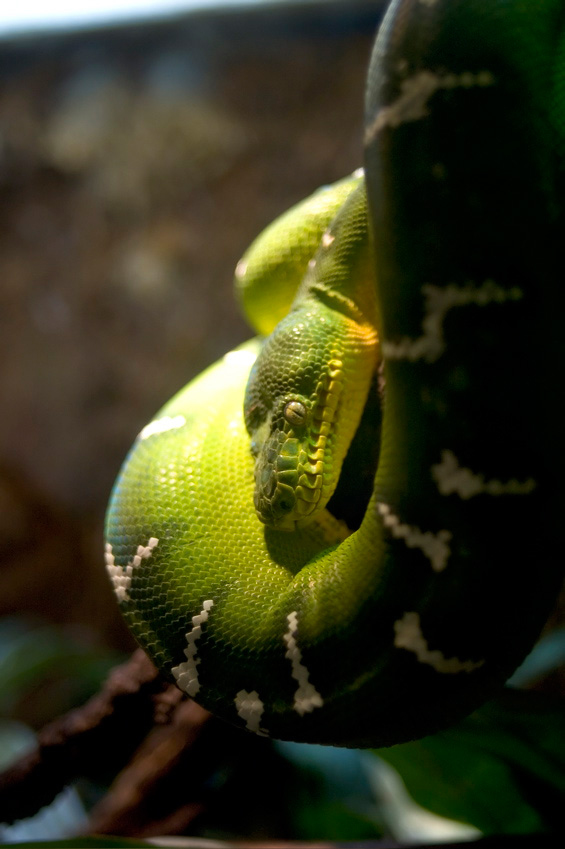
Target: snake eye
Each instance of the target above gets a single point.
(295, 413)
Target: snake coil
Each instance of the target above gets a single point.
(377, 605)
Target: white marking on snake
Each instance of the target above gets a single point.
(250, 708)
(453, 478)
(162, 426)
(434, 546)
(121, 575)
(415, 92)
(438, 302)
(185, 673)
(408, 635)
(327, 239)
(234, 359)
(241, 269)
(306, 697)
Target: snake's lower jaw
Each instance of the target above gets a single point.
(274, 509)
(277, 519)
(280, 507)
(286, 524)
(280, 510)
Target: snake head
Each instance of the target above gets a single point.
(288, 479)
(302, 405)
(278, 411)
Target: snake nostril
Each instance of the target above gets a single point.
(284, 500)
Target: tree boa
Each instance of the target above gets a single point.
(349, 533)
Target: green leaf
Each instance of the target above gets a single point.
(327, 794)
(502, 769)
(36, 654)
(546, 656)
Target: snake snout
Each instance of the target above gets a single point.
(274, 500)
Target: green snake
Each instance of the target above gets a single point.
(347, 531)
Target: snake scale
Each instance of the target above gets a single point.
(349, 532)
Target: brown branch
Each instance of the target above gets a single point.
(98, 738)
(160, 790)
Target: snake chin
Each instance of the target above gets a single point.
(274, 502)
(277, 504)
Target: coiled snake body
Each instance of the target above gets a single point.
(332, 550)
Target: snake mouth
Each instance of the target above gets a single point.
(274, 500)
(283, 476)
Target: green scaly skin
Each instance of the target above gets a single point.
(418, 615)
(267, 276)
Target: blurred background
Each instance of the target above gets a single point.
(141, 150)
(136, 165)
